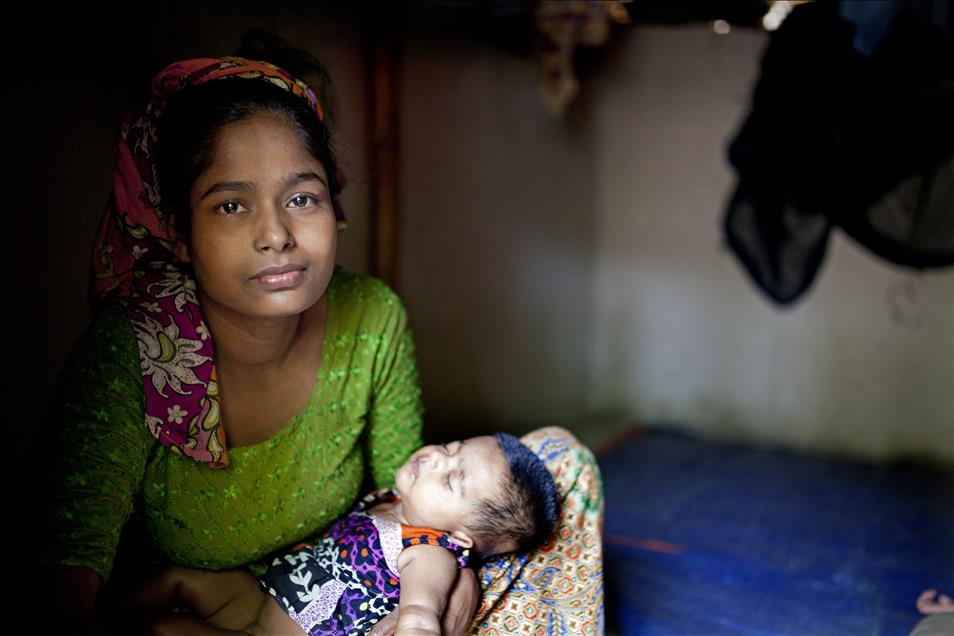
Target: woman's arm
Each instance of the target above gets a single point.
(69, 598)
(459, 613)
(91, 453)
(462, 604)
(394, 423)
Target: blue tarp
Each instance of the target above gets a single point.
(708, 538)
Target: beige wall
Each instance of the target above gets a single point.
(575, 273)
(863, 364)
(496, 238)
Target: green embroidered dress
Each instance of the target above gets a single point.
(364, 416)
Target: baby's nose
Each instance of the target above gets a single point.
(438, 460)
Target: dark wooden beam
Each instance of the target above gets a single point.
(382, 51)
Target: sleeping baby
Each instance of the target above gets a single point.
(453, 502)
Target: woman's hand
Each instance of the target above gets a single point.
(462, 603)
(385, 626)
(69, 594)
(461, 606)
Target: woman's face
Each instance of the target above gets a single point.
(263, 226)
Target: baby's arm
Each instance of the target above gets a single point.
(427, 574)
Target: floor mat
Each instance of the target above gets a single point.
(708, 538)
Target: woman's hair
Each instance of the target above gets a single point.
(528, 507)
(258, 44)
(193, 117)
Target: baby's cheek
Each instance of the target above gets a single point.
(399, 478)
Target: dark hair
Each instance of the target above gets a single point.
(258, 44)
(193, 117)
(528, 509)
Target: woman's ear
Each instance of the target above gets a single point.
(178, 244)
(180, 249)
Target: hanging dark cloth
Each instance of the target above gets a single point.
(852, 125)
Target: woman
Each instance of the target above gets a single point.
(226, 454)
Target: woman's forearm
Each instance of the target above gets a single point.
(70, 594)
(462, 603)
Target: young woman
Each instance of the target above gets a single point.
(235, 388)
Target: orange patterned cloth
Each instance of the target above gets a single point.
(558, 588)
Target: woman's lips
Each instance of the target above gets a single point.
(284, 277)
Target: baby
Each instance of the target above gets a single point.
(476, 497)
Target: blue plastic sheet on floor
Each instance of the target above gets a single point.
(707, 538)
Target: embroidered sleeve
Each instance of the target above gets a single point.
(413, 535)
(394, 428)
(91, 449)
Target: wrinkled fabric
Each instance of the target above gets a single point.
(852, 126)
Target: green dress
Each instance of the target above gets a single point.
(364, 417)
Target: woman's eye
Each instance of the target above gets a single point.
(230, 207)
(301, 200)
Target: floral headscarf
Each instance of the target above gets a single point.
(134, 263)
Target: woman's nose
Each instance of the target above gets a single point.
(273, 232)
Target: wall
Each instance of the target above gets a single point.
(574, 273)
(863, 364)
(496, 239)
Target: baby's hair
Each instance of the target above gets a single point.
(529, 505)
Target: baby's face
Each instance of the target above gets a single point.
(440, 485)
